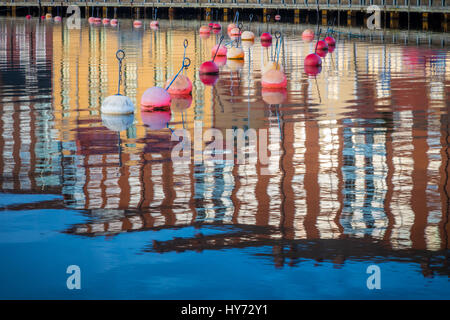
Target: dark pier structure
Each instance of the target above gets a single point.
(419, 14)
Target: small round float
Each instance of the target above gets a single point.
(105, 21)
(235, 54)
(57, 19)
(28, 16)
(274, 79)
(308, 35)
(113, 22)
(48, 16)
(313, 59)
(155, 98)
(204, 29)
(117, 104)
(137, 23)
(181, 85)
(180, 102)
(271, 65)
(330, 41)
(321, 45)
(247, 36)
(222, 52)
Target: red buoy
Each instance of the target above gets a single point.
(322, 45)
(277, 17)
(266, 37)
(28, 16)
(313, 70)
(313, 59)
(330, 41)
(209, 67)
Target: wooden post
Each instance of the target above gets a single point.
(445, 22)
(115, 12)
(13, 11)
(208, 14)
(171, 13)
(394, 20)
(105, 12)
(225, 14)
(324, 17)
(349, 18)
(264, 15)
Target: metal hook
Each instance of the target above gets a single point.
(277, 35)
(185, 65)
(251, 17)
(185, 43)
(120, 55)
(218, 47)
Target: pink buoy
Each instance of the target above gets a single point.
(217, 31)
(57, 19)
(266, 37)
(156, 120)
(274, 96)
(217, 26)
(266, 44)
(181, 85)
(204, 29)
(222, 52)
(308, 35)
(180, 102)
(113, 22)
(220, 61)
(321, 45)
(98, 20)
(42, 17)
(211, 25)
(277, 17)
(91, 20)
(235, 53)
(209, 79)
(154, 23)
(204, 36)
(137, 23)
(28, 16)
(321, 53)
(230, 27)
(313, 70)
(313, 59)
(105, 21)
(330, 41)
(155, 97)
(274, 79)
(209, 67)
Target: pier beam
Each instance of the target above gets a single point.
(393, 23)
(297, 16)
(351, 17)
(264, 15)
(225, 14)
(425, 21)
(171, 13)
(324, 17)
(105, 12)
(13, 11)
(445, 22)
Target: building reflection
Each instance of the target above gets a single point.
(362, 169)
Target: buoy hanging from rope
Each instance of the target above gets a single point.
(118, 104)
(181, 84)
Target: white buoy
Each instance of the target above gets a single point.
(118, 104)
(115, 122)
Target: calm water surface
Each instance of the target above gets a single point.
(362, 176)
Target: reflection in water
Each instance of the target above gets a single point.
(362, 170)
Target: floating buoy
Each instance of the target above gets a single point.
(220, 61)
(273, 96)
(155, 97)
(209, 67)
(274, 79)
(235, 32)
(216, 31)
(230, 27)
(116, 122)
(211, 25)
(154, 23)
(235, 54)
(308, 35)
(266, 37)
(277, 17)
(271, 65)
(156, 120)
(321, 45)
(247, 36)
(204, 29)
(98, 20)
(91, 20)
(330, 41)
(42, 17)
(321, 53)
(247, 44)
(313, 70)
(113, 22)
(313, 59)
(28, 16)
(57, 19)
(118, 104)
(217, 26)
(209, 79)
(180, 102)
(105, 21)
(204, 36)
(222, 52)
(48, 16)
(181, 85)
(137, 23)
